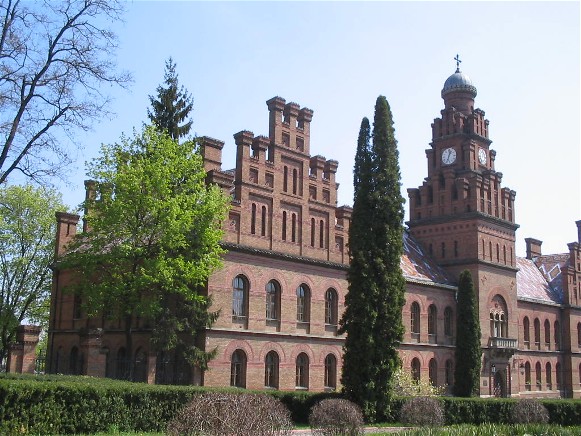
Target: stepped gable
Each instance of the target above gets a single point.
(418, 265)
(534, 278)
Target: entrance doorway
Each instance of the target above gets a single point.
(499, 384)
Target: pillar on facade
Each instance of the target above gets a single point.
(22, 353)
(94, 353)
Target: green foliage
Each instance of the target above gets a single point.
(468, 351)
(494, 430)
(372, 317)
(27, 228)
(153, 240)
(172, 106)
(57, 404)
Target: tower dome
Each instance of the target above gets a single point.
(458, 82)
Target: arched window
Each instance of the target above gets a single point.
(240, 297)
(302, 371)
(75, 362)
(538, 375)
(449, 372)
(558, 375)
(548, 376)
(557, 335)
(238, 369)
(526, 332)
(295, 180)
(498, 318)
(331, 306)
(537, 328)
(415, 369)
(284, 226)
(547, 334)
(303, 303)
(527, 376)
(121, 365)
(415, 321)
(312, 232)
(253, 220)
(433, 372)
(432, 323)
(271, 370)
(448, 321)
(272, 300)
(579, 334)
(77, 307)
(140, 366)
(330, 372)
(285, 179)
(294, 227)
(263, 222)
(322, 234)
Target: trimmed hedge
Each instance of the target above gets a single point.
(55, 404)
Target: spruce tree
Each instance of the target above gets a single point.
(372, 319)
(468, 350)
(172, 105)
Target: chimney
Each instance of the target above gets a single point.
(533, 247)
(578, 231)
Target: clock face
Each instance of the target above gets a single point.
(482, 156)
(448, 156)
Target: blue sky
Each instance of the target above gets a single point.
(337, 57)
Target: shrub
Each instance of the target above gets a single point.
(216, 413)
(334, 417)
(404, 385)
(529, 412)
(422, 411)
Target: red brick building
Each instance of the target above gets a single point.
(282, 287)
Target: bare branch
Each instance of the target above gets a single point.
(55, 58)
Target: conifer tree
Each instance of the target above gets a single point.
(468, 350)
(172, 105)
(372, 318)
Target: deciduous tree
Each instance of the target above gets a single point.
(376, 284)
(468, 349)
(56, 65)
(27, 228)
(172, 106)
(152, 240)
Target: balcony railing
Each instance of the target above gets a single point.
(503, 343)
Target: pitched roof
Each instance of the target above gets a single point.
(540, 279)
(418, 265)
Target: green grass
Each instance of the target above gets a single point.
(494, 430)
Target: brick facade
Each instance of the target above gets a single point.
(282, 287)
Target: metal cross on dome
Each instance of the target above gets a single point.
(457, 59)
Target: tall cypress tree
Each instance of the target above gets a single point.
(468, 350)
(360, 312)
(372, 319)
(172, 106)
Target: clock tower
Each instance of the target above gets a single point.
(465, 219)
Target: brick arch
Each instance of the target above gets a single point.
(302, 348)
(420, 299)
(410, 355)
(307, 281)
(284, 286)
(272, 346)
(328, 349)
(236, 270)
(235, 345)
(335, 284)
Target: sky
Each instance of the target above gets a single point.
(336, 58)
